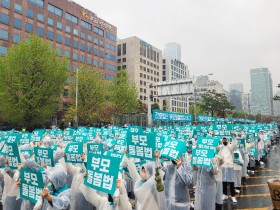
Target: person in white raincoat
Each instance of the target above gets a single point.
(145, 189)
(218, 161)
(205, 191)
(178, 178)
(120, 198)
(238, 163)
(228, 167)
(78, 200)
(57, 195)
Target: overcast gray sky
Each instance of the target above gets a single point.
(223, 37)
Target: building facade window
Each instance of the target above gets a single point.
(89, 49)
(4, 18)
(67, 41)
(75, 32)
(68, 29)
(16, 38)
(3, 50)
(101, 54)
(54, 10)
(98, 31)
(40, 31)
(83, 35)
(111, 36)
(82, 47)
(40, 17)
(29, 27)
(71, 18)
(86, 25)
(75, 56)
(95, 51)
(67, 53)
(4, 35)
(29, 13)
(95, 41)
(50, 35)
(101, 43)
(38, 3)
(82, 58)
(124, 49)
(95, 63)
(59, 51)
(89, 38)
(59, 38)
(89, 61)
(75, 44)
(59, 25)
(18, 8)
(17, 23)
(6, 3)
(50, 21)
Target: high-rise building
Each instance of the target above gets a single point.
(174, 69)
(246, 103)
(235, 95)
(203, 84)
(236, 86)
(143, 63)
(75, 32)
(261, 89)
(172, 50)
(277, 105)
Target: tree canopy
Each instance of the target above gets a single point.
(32, 77)
(215, 104)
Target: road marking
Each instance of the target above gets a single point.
(253, 195)
(256, 177)
(253, 185)
(265, 208)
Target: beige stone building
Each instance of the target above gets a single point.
(143, 63)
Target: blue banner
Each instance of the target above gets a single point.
(171, 116)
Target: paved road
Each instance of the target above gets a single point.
(255, 195)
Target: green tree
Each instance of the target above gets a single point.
(155, 106)
(142, 108)
(91, 96)
(215, 103)
(32, 78)
(124, 94)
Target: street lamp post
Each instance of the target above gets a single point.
(76, 111)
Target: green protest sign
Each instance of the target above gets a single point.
(11, 150)
(81, 138)
(253, 151)
(13, 138)
(93, 148)
(241, 143)
(68, 134)
(135, 129)
(37, 135)
(141, 145)
(31, 185)
(73, 152)
(160, 140)
(25, 138)
(121, 145)
(91, 135)
(208, 143)
(172, 150)
(44, 155)
(102, 173)
(114, 154)
(202, 157)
